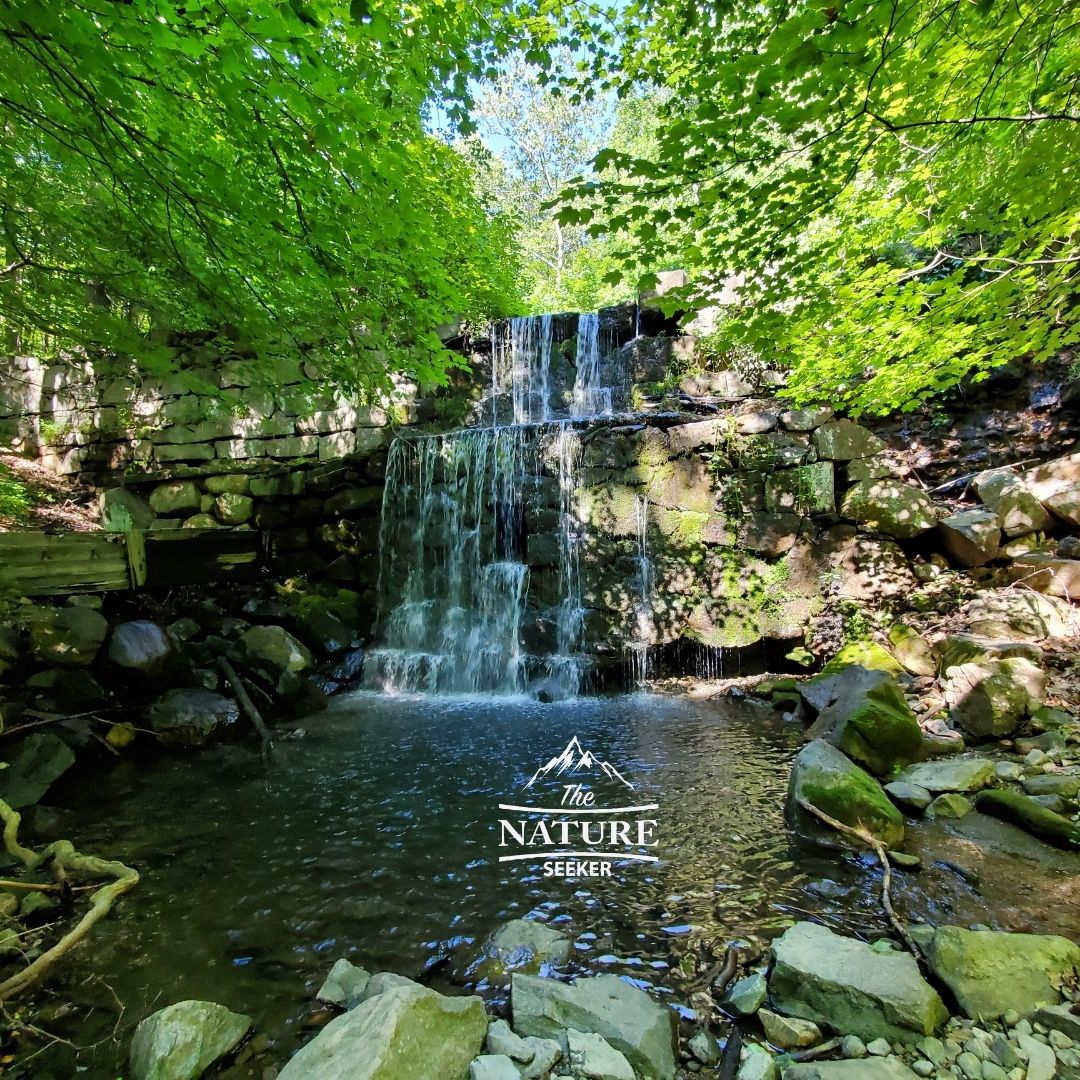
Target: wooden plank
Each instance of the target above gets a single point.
(39, 564)
(136, 556)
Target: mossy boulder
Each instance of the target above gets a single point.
(827, 779)
(912, 650)
(866, 654)
(188, 718)
(990, 972)
(67, 636)
(843, 440)
(889, 507)
(990, 699)
(1031, 816)
(870, 721)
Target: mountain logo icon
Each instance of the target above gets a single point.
(575, 759)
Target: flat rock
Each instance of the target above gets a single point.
(1047, 574)
(1064, 784)
(789, 1032)
(956, 649)
(912, 795)
(605, 1005)
(182, 1041)
(990, 972)
(404, 1033)
(1059, 1018)
(950, 774)
(845, 984)
(868, 1069)
(42, 759)
(1018, 615)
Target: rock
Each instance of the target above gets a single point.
(871, 468)
(991, 698)
(176, 499)
(228, 484)
(501, 1040)
(951, 805)
(1053, 476)
(1065, 505)
(852, 1047)
(704, 1047)
(201, 521)
(912, 795)
(890, 1068)
(805, 419)
(124, 511)
(1026, 813)
(1018, 615)
(842, 440)
(889, 507)
(1041, 1061)
(182, 1041)
(404, 1033)
(956, 649)
(141, 646)
(789, 1033)
(989, 972)
(382, 981)
(68, 636)
(1059, 1018)
(232, 509)
(870, 721)
(545, 1054)
(971, 537)
(843, 983)
(1065, 784)
(602, 1005)
(1016, 506)
(804, 490)
(526, 945)
(878, 1048)
(593, 1058)
(952, 774)
(42, 759)
(191, 718)
(345, 985)
(866, 654)
(273, 650)
(759, 1065)
(912, 650)
(1047, 574)
(825, 778)
(746, 996)
(493, 1067)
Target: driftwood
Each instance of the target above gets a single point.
(62, 859)
(250, 711)
(878, 849)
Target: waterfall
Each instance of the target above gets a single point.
(453, 581)
(590, 397)
(644, 626)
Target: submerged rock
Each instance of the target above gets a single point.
(844, 983)
(990, 972)
(870, 721)
(42, 759)
(182, 1041)
(604, 1005)
(827, 779)
(525, 945)
(404, 1033)
(191, 718)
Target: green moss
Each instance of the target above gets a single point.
(1025, 812)
(864, 653)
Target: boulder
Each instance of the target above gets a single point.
(889, 1068)
(501, 1040)
(949, 806)
(141, 645)
(1016, 505)
(865, 654)
(405, 1033)
(191, 718)
(123, 511)
(889, 507)
(1065, 505)
(870, 721)
(178, 498)
(273, 650)
(524, 945)
(233, 509)
(950, 774)
(1048, 574)
(912, 650)
(959, 649)
(868, 567)
(990, 972)
(182, 1041)
(971, 537)
(1053, 476)
(805, 419)
(991, 698)
(42, 759)
(344, 985)
(1064, 784)
(1018, 615)
(1027, 813)
(843, 440)
(824, 777)
(871, 468)
(805, 489)
(592, 1057)
(68, 636)
(642, 1030)
(850, 987)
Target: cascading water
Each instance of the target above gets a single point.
(644, 626)
(453, 580)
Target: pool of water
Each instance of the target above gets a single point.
(375, 836)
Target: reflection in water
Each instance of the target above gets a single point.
(375, 837)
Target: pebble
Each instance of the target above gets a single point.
(878, 1048)
(934, 1049)
(922, 1067)
(1010, 1018)
(851, 1046)
(990, 1071)
(970, 1066)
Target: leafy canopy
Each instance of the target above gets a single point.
(260, 170)
(896, 179)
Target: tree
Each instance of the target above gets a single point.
(259, 172)
(897, 180)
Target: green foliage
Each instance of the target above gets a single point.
(261, 171)
(15, 501)
(896, 183)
